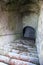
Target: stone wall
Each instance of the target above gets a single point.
(30, 19)
(10, 27)
(39, 39)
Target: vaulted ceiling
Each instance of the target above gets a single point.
(20, 1)
(20, 5)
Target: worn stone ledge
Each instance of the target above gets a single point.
(23, 57)
(10, 61)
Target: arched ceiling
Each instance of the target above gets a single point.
(19, 5)
(20, 1)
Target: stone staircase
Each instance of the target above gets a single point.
(22, 52)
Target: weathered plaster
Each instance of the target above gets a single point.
(30, 19)
(39, 39)
(10, 27)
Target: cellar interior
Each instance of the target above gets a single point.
(20, 22)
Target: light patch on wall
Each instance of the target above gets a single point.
(30, 20)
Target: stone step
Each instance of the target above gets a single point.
(23, 57)
(9, 61)
(19, 62)
(1, 63)
(19, 54)
(4, 59)
(23, 45)
(24, 53)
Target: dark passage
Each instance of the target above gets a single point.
(29, 33)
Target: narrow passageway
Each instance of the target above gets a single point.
(15, 15)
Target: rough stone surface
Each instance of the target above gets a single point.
(11, 29)
(39, 39)
(21, 52)
(1, 63)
